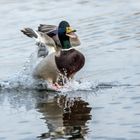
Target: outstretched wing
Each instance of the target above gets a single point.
(45, 43)
(52, 31)
(39, 36)
(46, 28)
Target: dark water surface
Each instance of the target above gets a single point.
(105, 104)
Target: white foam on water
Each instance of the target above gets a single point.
(78, 85)
(24, 80)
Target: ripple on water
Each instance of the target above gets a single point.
(109, 138)
(135, 98)
(2, 138)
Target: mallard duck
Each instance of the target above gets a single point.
(55, 46)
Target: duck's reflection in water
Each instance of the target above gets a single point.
(66, 117)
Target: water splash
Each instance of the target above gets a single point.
(78, 85)
(24, 81)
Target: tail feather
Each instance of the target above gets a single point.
(29, 32)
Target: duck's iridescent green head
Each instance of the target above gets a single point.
(64, 34)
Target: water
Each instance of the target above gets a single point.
(104, 105)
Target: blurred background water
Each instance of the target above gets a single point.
(105, 104)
